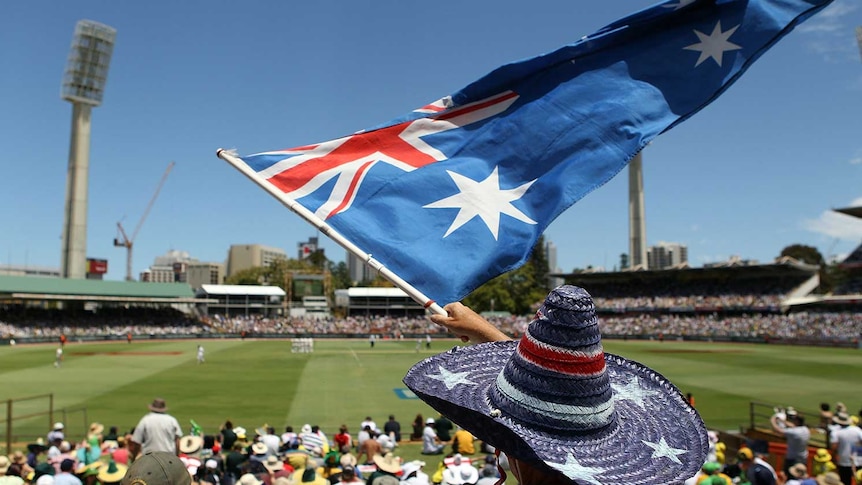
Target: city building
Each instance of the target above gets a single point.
(168, 268)
(357, 269)
(306, 249)
(551, 256)
(199, 274)
(245, 256)
(666, 255)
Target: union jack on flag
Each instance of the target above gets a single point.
(458, 191)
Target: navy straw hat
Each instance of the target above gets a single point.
(556, 400)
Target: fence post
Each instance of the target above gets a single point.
(8, 426)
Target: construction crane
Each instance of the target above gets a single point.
(127, 242)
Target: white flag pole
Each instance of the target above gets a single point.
(325, 228)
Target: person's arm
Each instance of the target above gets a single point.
(776, 424)
(468, 325)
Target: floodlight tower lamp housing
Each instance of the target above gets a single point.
(87, 67)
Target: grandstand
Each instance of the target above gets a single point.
(852, 264)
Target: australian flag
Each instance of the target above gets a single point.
(458, 191)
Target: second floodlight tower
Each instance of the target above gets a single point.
(83, 85)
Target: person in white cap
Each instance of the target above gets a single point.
(431, 444)
(56, 433)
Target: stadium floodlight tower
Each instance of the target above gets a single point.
(637, 219)
(83, 86)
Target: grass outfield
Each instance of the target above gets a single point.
(256, 382)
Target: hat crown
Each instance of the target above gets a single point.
(557, 378)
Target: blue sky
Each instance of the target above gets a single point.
(757, 170)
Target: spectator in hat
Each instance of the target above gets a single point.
(5, 464)
(19, 461)
(843, 440)
(156, 431)
(112, 472)
(822, 462)
(388, 469)
(829, 478)
(499, 390)
(157, 468)
(34, 450)
(412, 474)
(798, 474)
(65, 477)
(348, 476)
(796, 434)
(431, 444)
(233, 463)
(211, 474)
(57, 431)
(756, 470)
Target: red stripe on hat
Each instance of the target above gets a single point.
(559, 361)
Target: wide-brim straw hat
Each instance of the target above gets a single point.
(347, 459)
(259, 448)
(96, 428)
(191, 444)
(798, 470)
(273, 464)
(5, 463)
(112, 472)
(842, 419)
(822, 455)
(459, 475)
(556, 400)
(158, 405)
(829, 478)
(388, 463)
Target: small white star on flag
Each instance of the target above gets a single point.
(678, 4)
(451, 379)
(662, 449)
(713, 45)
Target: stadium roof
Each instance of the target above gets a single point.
(250, 290)
(786, 267)
(40, 288)
(851, 211)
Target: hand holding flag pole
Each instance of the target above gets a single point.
(325, 228)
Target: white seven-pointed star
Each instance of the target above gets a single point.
(678, 4)
(451, 379)
(577, 472)
(484, 199)
(713, 45)
(632, 391)
(663, 449)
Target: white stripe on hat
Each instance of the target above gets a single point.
(589, 416)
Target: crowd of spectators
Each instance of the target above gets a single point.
(814, 326)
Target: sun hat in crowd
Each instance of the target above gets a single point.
(556, 400)
(710, 467)
(191, 444)
(259, 448)
(240, 433)
(388, 463)
(745, 454)
(95, 428)
(411, 467)
(157, 468)
(822, 455)
(842, 419)
(158, 405)
(429, 421)
(460, 475)
(829, 478)
(5, 462)
(306, 428)
(88, 470)
(45, 480)
(58, 426)
(113, 472)
(273, 464)
(249, 479)
(798, 470)
(347, 459)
